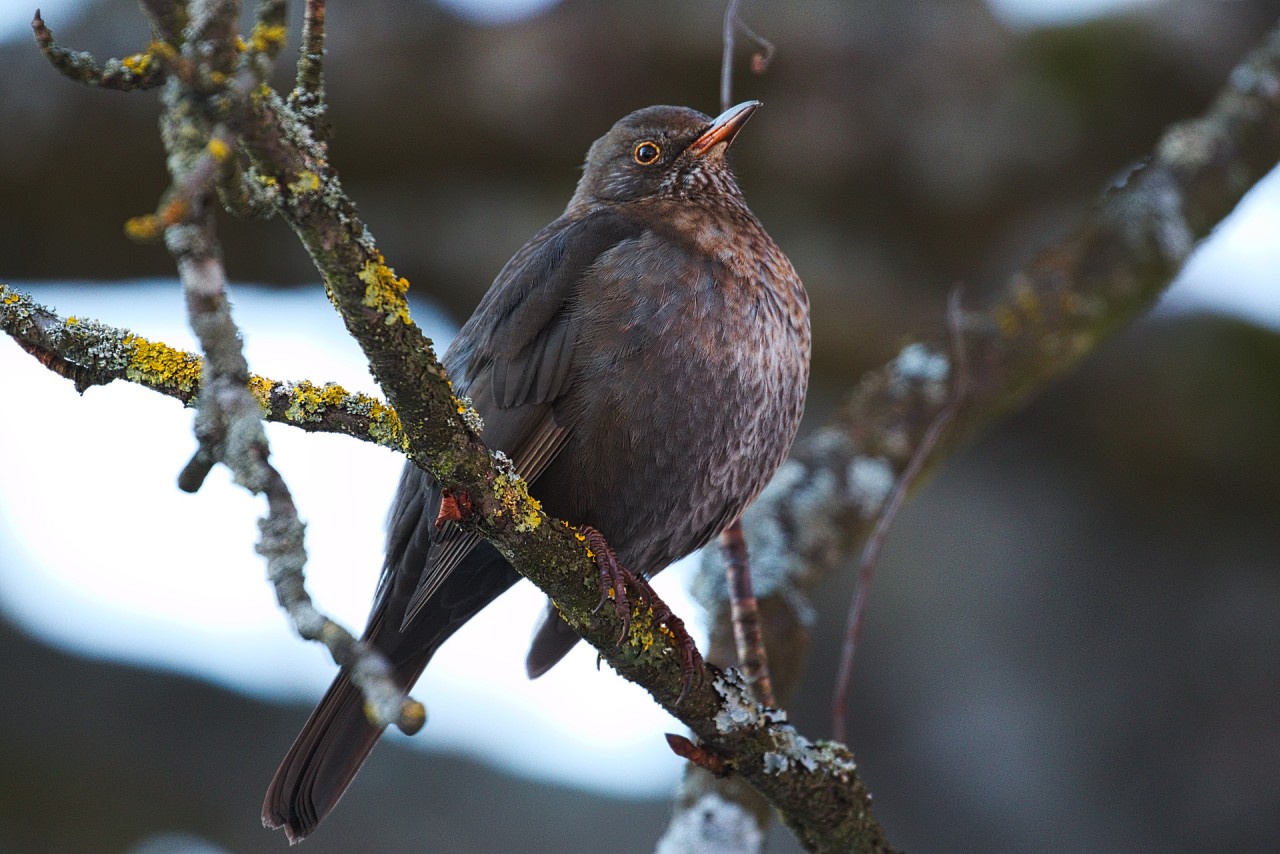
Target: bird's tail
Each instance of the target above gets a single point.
(337, 737)
(325, 757)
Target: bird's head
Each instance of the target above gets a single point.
(662, 151)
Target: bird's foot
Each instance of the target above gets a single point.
(615, 579)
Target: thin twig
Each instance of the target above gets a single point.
(228, 422)
(759, 60)
(308, 96)
(139, 71)
(311, 58)
(90, 353)
(889, 511)
(753, 659)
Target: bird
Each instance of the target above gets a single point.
(643, 359)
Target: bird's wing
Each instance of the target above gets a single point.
(514, 358)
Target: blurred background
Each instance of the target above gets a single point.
(1074, 643)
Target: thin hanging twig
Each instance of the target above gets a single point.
(753, 660)
(889, 512)
(759, 60)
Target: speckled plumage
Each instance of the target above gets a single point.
(643, 359)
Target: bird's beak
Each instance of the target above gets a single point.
(723, 129)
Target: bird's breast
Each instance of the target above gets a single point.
(696, 369)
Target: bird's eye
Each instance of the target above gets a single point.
(646, 152)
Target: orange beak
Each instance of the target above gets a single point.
(723, 129)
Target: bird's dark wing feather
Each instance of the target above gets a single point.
(514, 358)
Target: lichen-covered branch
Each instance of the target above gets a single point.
(821, 505)
(139, 71)
(209, 71)
(91, 353)
(307, 100)
(888, 512)
(198, 127)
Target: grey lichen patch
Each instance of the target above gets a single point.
(95, 344)
(775, 763)
(868, 483)
(738, 710)
(917, 364)
(795, 749)
(834, 757)
(512, 490)
(470, 417)
(777, 549)
(813, 503)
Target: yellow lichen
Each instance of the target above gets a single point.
(155, 364)
(260, 387)
(143, 228)
(266, 180)
(384, 291)
(306, 182)
(307, 400)
(11, 297)
(138, 63)
(163, 50)
(72, 320)
(413, 717)
(218, 150)
(385, 427)
(513, 492)
(640, 632)
(267, 38)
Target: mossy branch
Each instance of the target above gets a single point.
(91, 353)
(143, 70)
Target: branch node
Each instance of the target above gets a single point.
(698, 755)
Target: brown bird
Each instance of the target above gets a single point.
(643, 359)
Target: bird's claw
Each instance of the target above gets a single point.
(614, 582)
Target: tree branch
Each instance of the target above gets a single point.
(143, 70)
(91, 353)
